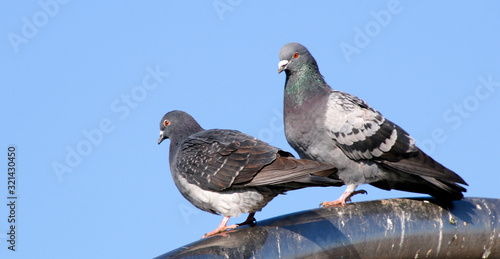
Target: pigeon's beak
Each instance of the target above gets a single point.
(161, 137)
(282, 65)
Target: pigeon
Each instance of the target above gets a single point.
(228, 172)
(331, 126)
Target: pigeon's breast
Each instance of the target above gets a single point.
(230, 202)
(304, 123)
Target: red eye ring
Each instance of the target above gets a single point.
(166, 122)
(295, 55)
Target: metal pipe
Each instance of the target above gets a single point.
(394, 228)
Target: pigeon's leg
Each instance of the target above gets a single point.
(249, 221)
(221, 228)
(346, 196)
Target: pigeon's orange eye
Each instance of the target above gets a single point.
(166, 122)
(295, 55)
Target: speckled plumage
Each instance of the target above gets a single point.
(335, 127)
(228, 172)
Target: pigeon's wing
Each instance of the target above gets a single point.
(219, 159)
(292, 173)
(363, 133)
(222, 159)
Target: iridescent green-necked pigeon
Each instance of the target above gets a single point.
(335, 127)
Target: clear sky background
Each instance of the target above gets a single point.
(85, 84)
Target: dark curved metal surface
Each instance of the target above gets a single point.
(394, 228)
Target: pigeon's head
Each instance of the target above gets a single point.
(177, 125)
(293, 56)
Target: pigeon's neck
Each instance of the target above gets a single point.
(303, 85)
(178, 138)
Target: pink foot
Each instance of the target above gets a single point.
(223, 228)
(220, 230)
(346, 197)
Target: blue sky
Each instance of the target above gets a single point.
(85, 85)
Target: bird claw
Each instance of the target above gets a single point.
(252, 221)
(220, 230)
(335, 203)
(342, 200)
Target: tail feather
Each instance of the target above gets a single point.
(422, 174)
(423, 165)
(291, 173)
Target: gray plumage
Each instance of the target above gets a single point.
(335, 127)
(228, 172)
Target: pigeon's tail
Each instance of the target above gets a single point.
(422, 174)
(421, 184)
(291, 173)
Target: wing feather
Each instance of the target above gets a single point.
(221, 159)
(217, 159)
(382, 141)
(363, 133)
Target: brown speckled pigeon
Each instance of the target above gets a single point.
(335, 127)
(228, 172)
